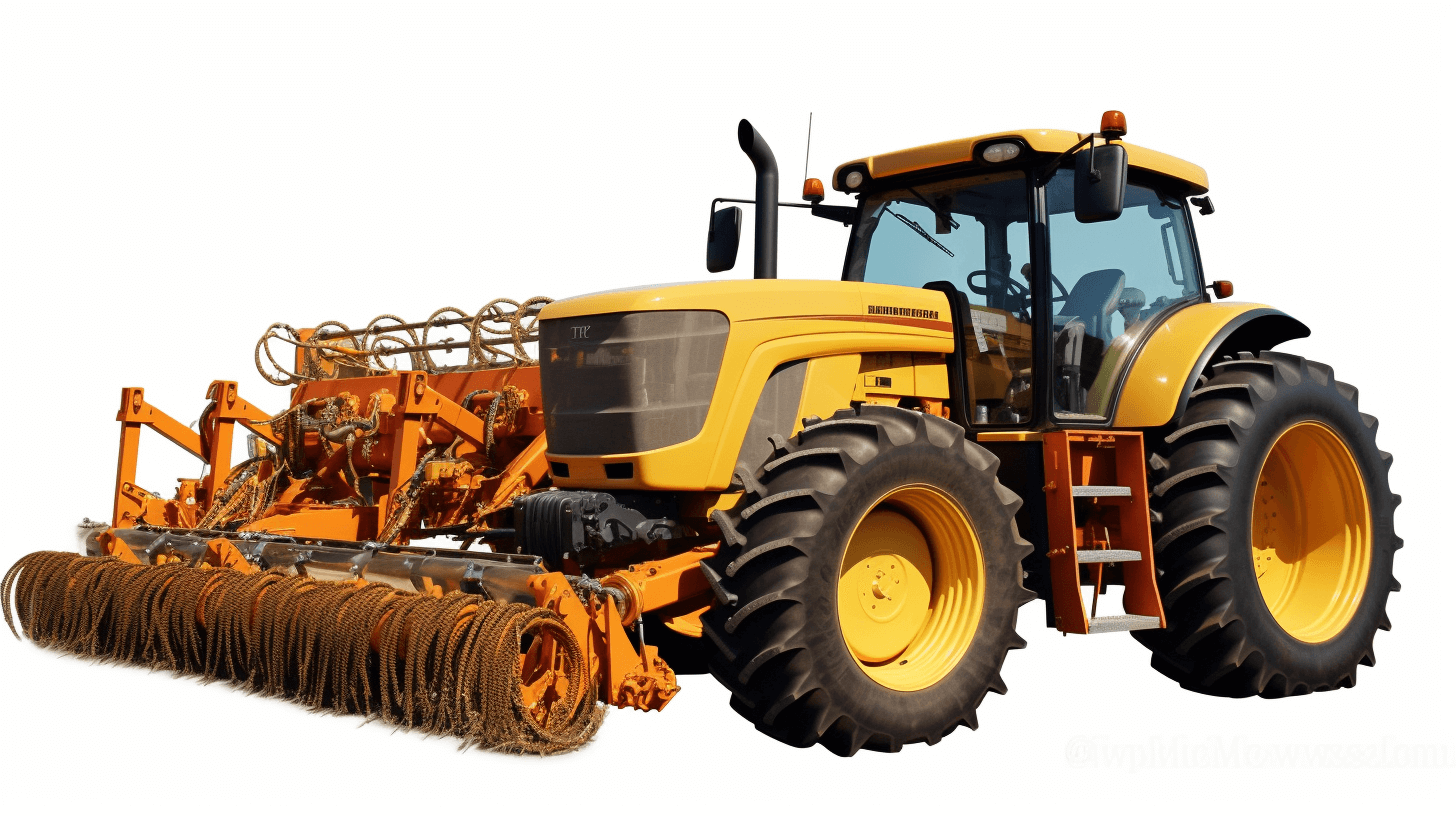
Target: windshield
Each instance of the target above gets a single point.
(972, 233)
(942, 232)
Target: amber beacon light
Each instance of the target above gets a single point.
(1114, 125)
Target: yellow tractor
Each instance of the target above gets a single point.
(832, 495)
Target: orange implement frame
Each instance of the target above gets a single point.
(367, 476)
(408, 412)
(629, 677)
(626, 678)
(1089, 463)
(130, 502)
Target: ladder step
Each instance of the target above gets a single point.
(1088, 491)
(1107, 556)
(1121, 623)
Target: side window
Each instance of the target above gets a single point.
(972, 233)
(1109, 280)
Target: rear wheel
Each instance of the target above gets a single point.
(874, 582)
(1274, 531)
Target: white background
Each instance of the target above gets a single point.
(175, 178)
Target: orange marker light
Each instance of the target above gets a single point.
(1114, 125)
(1222, 289)
(813, 190)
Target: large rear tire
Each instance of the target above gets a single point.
(1274, 532)
(874, 576)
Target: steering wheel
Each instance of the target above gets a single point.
(1013, 289)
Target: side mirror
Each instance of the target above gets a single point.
(723, 232)
(1101, 183)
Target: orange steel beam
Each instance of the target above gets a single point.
(524, 472)
(653, 585)
(459, 418)
(418, 398)
(220, 441)
(234, 408)
(135, 410)
(126, 462)
(228, 409)
(342, 523)
(411, 410)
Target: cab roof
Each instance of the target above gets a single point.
(1043, 144)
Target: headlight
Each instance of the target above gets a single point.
(1002, 151)
(853, 179)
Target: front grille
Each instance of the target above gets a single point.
(628, 382)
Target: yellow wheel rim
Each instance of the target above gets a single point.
(911, 588)
(1311, 532)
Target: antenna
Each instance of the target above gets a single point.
(807, 140)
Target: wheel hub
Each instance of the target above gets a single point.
(889, 579)
(882, 587)
(910, 588)
(1311, 532)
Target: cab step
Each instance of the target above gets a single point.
(1121, 623)
(1098, 520)
(1107, 556)
(1100, 491)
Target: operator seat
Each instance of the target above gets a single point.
(1093, 298)
(1083, 332)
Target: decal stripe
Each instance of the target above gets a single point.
(913, 322)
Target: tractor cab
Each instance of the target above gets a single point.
(1038, 279)
(974, 236)
(1061, 251)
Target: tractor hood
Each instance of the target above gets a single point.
(654, 387)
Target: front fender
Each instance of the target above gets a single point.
(1167, 367)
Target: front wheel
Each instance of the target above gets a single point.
(874, 583)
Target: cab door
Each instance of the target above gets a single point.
(1112, 282)
(970, 236)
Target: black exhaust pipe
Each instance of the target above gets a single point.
(766, 202)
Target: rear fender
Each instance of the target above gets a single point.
(1167, 367)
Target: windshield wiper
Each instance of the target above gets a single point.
(920, 230)
(944, 214)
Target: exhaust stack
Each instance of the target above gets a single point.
(766, 201)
